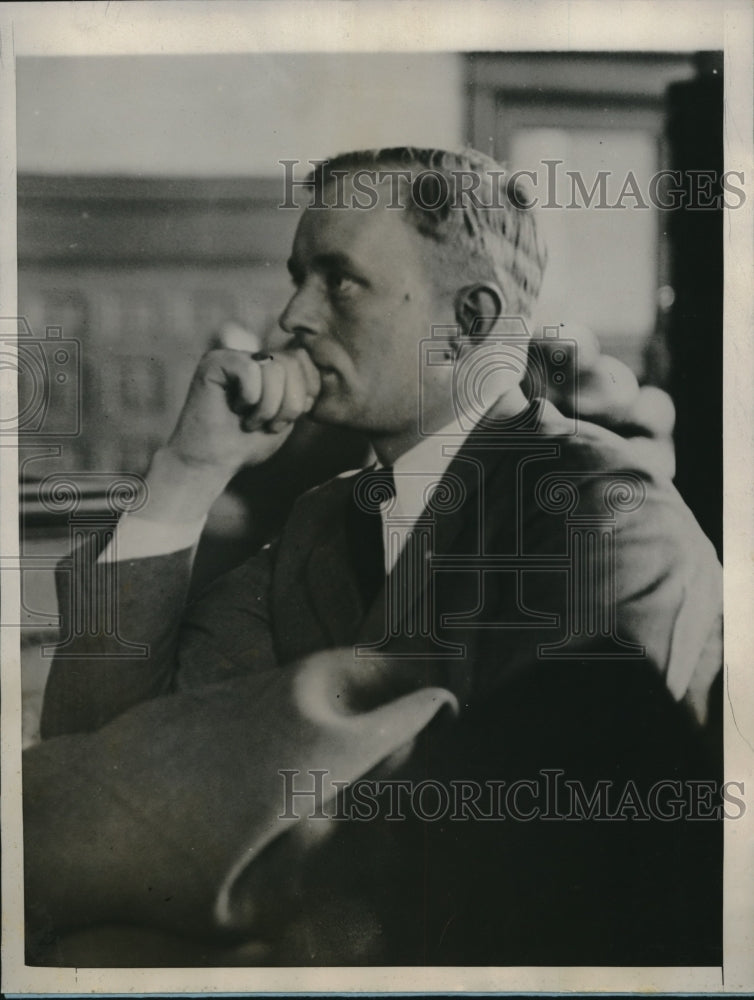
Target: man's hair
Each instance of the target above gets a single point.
(486, 231)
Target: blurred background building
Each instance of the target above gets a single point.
(148, 189)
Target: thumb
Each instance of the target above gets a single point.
(234, 337)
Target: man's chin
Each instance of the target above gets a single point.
(327, 410)
(334, 411)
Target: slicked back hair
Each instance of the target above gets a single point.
(483, 231)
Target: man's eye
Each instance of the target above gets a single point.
(341, 284)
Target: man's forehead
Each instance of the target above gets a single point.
(366, 191)
(340, 227)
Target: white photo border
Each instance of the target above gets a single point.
(172, 26)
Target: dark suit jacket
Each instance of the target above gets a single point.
(575, 610)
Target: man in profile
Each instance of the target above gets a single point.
(509, 593)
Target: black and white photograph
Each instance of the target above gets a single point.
(376, 453)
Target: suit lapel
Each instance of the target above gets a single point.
(460, 507)
(332, 587)
(492, 449)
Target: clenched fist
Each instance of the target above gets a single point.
(242, 406)
(240, 409)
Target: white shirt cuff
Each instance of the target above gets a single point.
(139, 538)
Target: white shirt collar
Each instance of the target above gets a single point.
(418, 470)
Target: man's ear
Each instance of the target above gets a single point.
(478, 308)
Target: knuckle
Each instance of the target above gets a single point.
(208, 360)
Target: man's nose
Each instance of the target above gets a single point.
(303, 314)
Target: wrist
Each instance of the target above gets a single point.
(181, 491)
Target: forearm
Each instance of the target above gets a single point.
(237, 412)
(105, 663)
(121, 607)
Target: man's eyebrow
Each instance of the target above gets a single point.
(322, 262)
(333, 259)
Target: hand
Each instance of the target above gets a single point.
(605, 391)
(240, 409)
(242, 404)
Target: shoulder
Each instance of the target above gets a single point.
(331, 493)
(318, 511)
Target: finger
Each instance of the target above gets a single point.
(653, 412)
(273, 389)
(236, 373)
(587, 349)
(609, 390)
(309, 370)
(296, 399)
(250, 385)
(235, 337)
(574, 351)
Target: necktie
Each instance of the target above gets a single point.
(364, 529)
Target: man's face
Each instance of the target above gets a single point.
(364, 299)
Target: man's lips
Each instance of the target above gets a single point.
(325, 370)
(322, 368)
(319, 363)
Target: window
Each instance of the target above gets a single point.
(590, 129)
